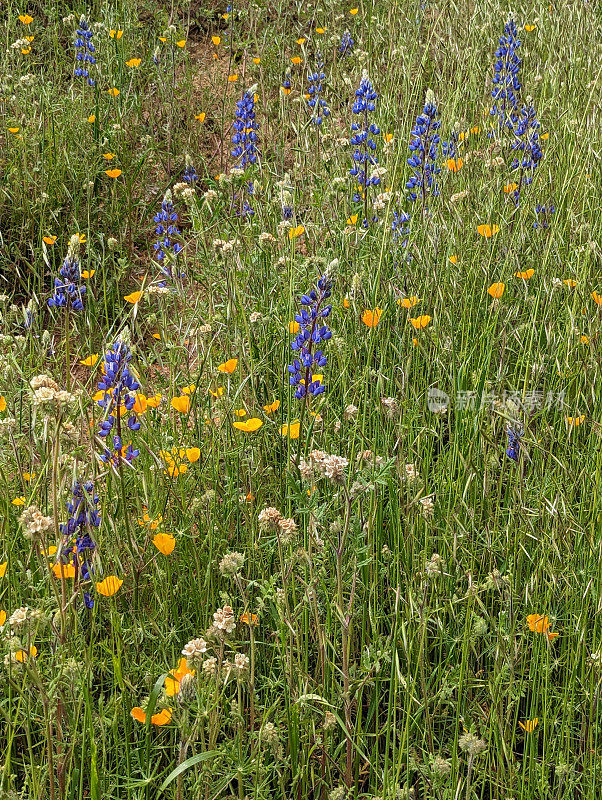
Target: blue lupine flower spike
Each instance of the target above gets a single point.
(528, 152)
(166, 249)
(245, 140)
(506, 79)
(190, 174)
(312, 331)
(245, 126)
(424, 149)
(69, 290)
(84, 52)
(316, 103)
(119, 387)
(365, 166)
(346, 45)
(77, 544)
(514, 437)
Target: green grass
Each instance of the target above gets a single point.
(390, 625)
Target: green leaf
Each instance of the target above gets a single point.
(190, 762)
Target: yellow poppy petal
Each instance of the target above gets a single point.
(89, 361)
(420, 322)
(371, 317)
(165, 543)
(134, 297)
(496, 290)
(228, 366)
(193, 454)
(109, 586)
(249, 426)
(181, 404)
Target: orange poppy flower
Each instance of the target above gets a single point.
(249, 426)
(454, 164)
(292, 430)
(420, 322)
(371, 318)
(193, 454)
(540, 624)
(269, 409)
(181, 404)
(526, 275)
(487, 231)
(408, 302)
(89, 361)
(146, 521)
(173, 680)
(228, 366)
(165, 543)
(496, 290)
(140, 404)
(22, 655)
(162, 718)
(133, 298)
(109, 586)
(64, 570)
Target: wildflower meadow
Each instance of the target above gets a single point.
(300, 400)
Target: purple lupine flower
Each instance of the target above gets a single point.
(166, 249)
(424, 147)
(119, 386)
(312, 331)
(84, 52)
(78, 545)
(68, 288)
(506, 78)
(316, 103)
(514, 437)
(364, 156)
